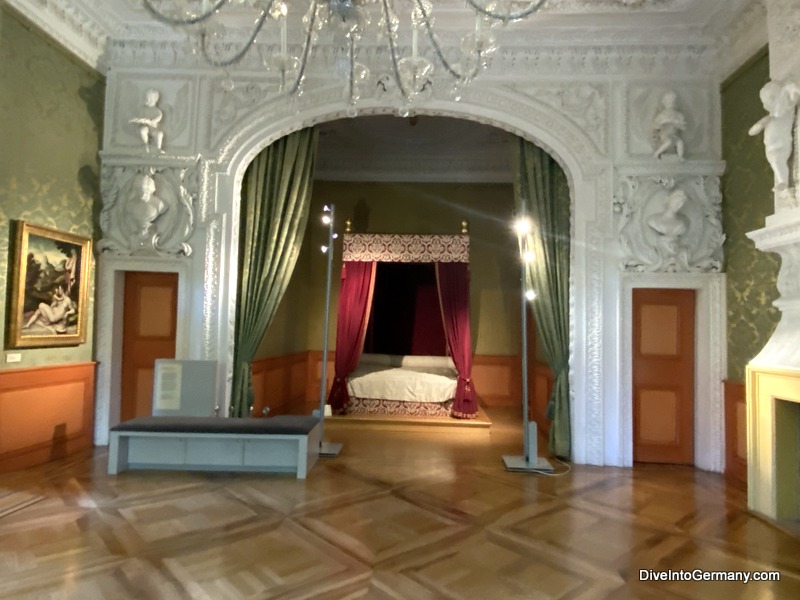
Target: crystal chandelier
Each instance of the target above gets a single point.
(349, 22)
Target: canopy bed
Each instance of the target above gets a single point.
(426, 377)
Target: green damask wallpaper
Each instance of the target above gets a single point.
(748, 200)
(51, 111)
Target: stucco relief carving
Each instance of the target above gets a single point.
(148, 210)
(153, 119)
(670, 226)
(667, 123)
(584, 104)
(231, 99)
(595, 315)
(506, 100)
(658, 54)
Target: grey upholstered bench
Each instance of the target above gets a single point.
(285, 443)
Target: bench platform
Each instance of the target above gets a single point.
(282, 444)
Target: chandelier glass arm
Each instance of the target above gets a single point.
(437, 46)
(301, 70)
(192, 20)
(351, 88)
(506, 18)
(227, 62)
(393, 50)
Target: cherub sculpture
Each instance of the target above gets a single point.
(150, 122)
(668, 126)
(780, 102)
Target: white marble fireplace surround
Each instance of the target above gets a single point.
(773, 382)
(591, 106)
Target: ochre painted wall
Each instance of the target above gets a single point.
(408, 208)
(747, 201)
(51, 110)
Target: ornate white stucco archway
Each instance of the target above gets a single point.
(565, 142)
(210, 161)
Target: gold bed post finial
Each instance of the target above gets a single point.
(348, 225)
(464, 226)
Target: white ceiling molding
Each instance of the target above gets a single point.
(85, 26)
(72, 25)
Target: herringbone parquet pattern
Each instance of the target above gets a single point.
(417, 514)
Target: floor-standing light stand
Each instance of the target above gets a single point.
(529, 461)
(327, 448)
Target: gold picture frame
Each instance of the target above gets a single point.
(49, 288)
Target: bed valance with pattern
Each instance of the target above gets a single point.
(414, 248)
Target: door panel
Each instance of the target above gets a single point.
(149, 327)
(663, 375)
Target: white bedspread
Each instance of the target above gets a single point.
(404, 378)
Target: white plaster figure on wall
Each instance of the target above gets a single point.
(780, 102)
(671, 225)
(668, 126)
(144, 210)
(149, 122)
(148, 210)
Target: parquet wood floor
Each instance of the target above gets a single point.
(413, 514)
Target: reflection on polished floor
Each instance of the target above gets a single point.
(412, 513)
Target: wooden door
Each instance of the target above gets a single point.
(149, 325)
(663, 375)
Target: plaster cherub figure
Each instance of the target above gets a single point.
(780, 102)
(150, 122)
(668, 125)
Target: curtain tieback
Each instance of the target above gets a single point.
(467, 383)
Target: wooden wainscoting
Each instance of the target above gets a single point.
(498, 379)
(279, 382)
(46, 413)
(291, 383)
(314, 375)
(736, 431)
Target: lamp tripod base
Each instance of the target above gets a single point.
(528, 463)
(329, 449)
(535, 464)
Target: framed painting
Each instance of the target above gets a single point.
(48, 288)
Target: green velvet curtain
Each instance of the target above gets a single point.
(542, 193)
(276, 193)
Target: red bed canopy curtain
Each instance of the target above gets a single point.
(361, 253)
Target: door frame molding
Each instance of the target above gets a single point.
(710, 361)
(108, 335)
